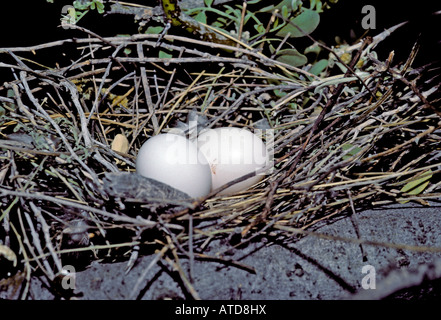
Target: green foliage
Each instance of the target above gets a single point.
(268, 25)
(303, 24)
(261, 26)
(417, 184)
(351, 150)
(89, 5)
(80, 8)
(319, 67)
(292, 57)
(155, 30)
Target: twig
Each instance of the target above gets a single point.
(190, 248)
(354, 220)
(47, 237)
(141, 278)
(146, 86)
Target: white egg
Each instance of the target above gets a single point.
(233, 153)
(176, 161)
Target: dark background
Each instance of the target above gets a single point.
(27, 23)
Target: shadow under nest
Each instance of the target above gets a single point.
(340, 143)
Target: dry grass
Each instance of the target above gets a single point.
(341, 142)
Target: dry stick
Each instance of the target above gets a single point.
(282, 177)
(86, 134)
(331, 102)
(63, 71)
(22, 107)
(47, 237)
(135, 113)
(116, 83)
(423, 99)
(199, 201)
(237, 103)
(115, 217)
(93, 248)
(97, 155)
(354, 221)
(325, 110)
(146, 87)
(398, 148)
(37, 244)
(375, 179)
(93, 34)
(162, 98)
(190, 247)
(267, 29)
(178, 60)
(227, 262)
(115, 40)
(159, 254)
(22, 66)
(398, 75)
(25, 255)
(13, 145)
(266, 227)
(98, 101)
(359, 241)
(177, 103)
(361, 45)
(54, 124)
(242, 18)
(177, 266)
(262, 217)
(411, 58)
(63, 104)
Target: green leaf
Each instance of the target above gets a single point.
(285, 12)
(165, 55)
(353, 150)
(318, 67)
(332, 82)
(208, 3)
(201, 17)
(99, 6)
(417, 184)
(81, 6)
(259, 28)
(280, 93)
(291, 4)
(307, 21)
(292, 57)
(314, 48)
(154, 30)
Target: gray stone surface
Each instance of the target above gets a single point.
(312, 267)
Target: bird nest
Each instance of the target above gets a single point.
(360, 133)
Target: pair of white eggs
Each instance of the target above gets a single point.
(197, 167)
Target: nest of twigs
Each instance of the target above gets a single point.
(340, 141)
